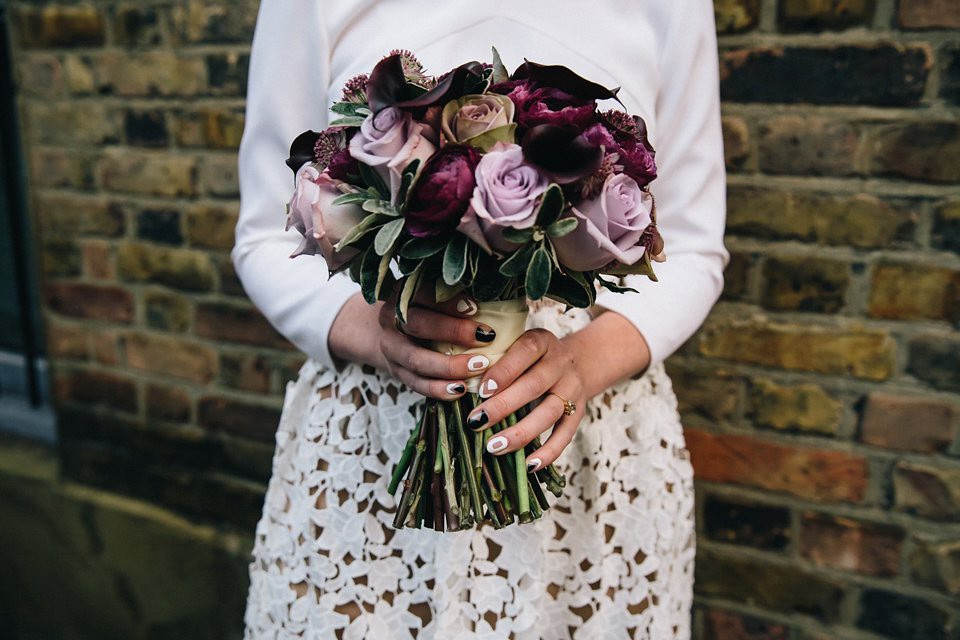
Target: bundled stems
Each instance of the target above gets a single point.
(449, 482)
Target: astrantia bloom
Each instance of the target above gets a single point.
(442, 192)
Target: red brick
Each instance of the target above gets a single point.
(907, 423)
(929, 14)
(90, 301)
(802, 471)
(65, 340)
(168, 403)
(170, 356)
(851, 545)
(104, 347)
(245, 372)
(236, 323)
(101, 388)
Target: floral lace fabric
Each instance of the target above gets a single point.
(613, 558)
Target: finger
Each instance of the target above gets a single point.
(431, 364)
(559, 439)
(430, 387)
(432, 325)
(521, 355)
(460, 305)
(542, 417)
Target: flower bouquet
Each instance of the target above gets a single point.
(508, 187)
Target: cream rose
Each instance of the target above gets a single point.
(321, 223)
(479, 120)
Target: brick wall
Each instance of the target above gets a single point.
(821, 398)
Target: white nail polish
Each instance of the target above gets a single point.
(533, 464)
(453, 389)
(487, 388)
(476, 363)
(467, 307)
(496, 444)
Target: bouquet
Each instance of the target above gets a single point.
(509, 187)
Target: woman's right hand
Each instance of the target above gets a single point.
(368, 333)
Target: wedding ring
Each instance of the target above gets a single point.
(568, 407)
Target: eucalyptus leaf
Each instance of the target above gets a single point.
(351, 198)
(539, 273)
(419, 248)
(562, 227)
(348, 121)
(517, 263)
(387, 236)
(551, 205)
(455, 259)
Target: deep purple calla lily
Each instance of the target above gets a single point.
(561, 151)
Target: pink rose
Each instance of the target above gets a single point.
(322, 224)
(610, 228)
(388, 142)
(505, 196)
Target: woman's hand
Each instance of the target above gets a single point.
(368, 333)
(538, 362)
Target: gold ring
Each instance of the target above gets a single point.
(568, 407)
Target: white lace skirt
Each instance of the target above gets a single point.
(613, 558)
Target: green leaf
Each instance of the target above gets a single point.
(485, 141)
(369, 274)
(518, 261)
(360, 229)
(387, 236)
(406, 180)
(407, 265)
(349, 108)
(517, 236)
(570, 290)
(538, 274)
(372, 179)
(444, 291)
(347, 121)
(455, 259)
(419, 248)
(380, 206)
(350, 198)
(382, 274)
(409, 288)
(500, 73)
(562, 227)
(616, 288)
(551, 205)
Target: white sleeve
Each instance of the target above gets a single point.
(286, 95)
(690, 190)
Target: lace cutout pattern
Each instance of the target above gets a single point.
(613, 558)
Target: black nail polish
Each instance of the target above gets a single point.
(485, 336)
(478, 420)
(459, 388)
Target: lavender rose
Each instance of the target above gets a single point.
(610, 228)
(505, 196)
(388, 142)
(442, 192)
(322, 224)
(479, 120)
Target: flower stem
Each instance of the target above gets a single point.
(467, 468)
(450, 505)
(407, 452)
(520, 462)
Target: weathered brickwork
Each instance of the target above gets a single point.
(821, 398)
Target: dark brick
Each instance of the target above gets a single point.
(204, 22)
(774, 586)
(159, 225)
(736, 276)
(180, 268)
(145, 128)
(227, 73)
(735, 16)
(927, 151)
(58, 26)
(245, 372)
(242, 418)
(172, 356)
(805, 284)
(736, 142)
(234, 323)
(60, 257)
(820, 15)
(881, 74)
(754, 525)
(808, 146)
(936, 563)
(950, 74)
(895, 615)
(851, 545)
(97, 389)
(934, 359)
(907, 423)
(928, 14)
(168, 403)
(167, 311)
(727, 625)
(211, 226)
(98, 217)
(229, 282)
(709, 394)
(946, 227)
(90, 301)
(135, 26)
(929, 491)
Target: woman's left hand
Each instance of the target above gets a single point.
(538, 362)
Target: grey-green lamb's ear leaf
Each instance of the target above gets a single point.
(382, 278)
(562, 227)
(517, 263)
(538, 276)
(517, 236)
(360, 229)
(387, 236)
(349, 108)
(374, 205)
(419, 248)
(410, 285)
(444, 291)
(570, 290)
(551, 205)
(455, 259)
(406, 179)
(369, 274)
(347, 121)
(372, 179)
(351, 198)
(500, 73)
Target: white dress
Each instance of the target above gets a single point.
(612, 558)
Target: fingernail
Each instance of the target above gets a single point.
(476, 363)
(533, 464)
(478, 419)
(467, 306)
(455, 388)
(496, 444)
(487, 388)
(486, 335)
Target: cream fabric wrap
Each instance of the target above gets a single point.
(508, 318)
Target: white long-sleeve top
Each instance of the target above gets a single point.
(662, 53)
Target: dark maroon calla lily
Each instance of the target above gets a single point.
(561, 77)
(301, 150)
(388, 87)
(561, 151)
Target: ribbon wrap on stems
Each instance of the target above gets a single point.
(508, 318)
